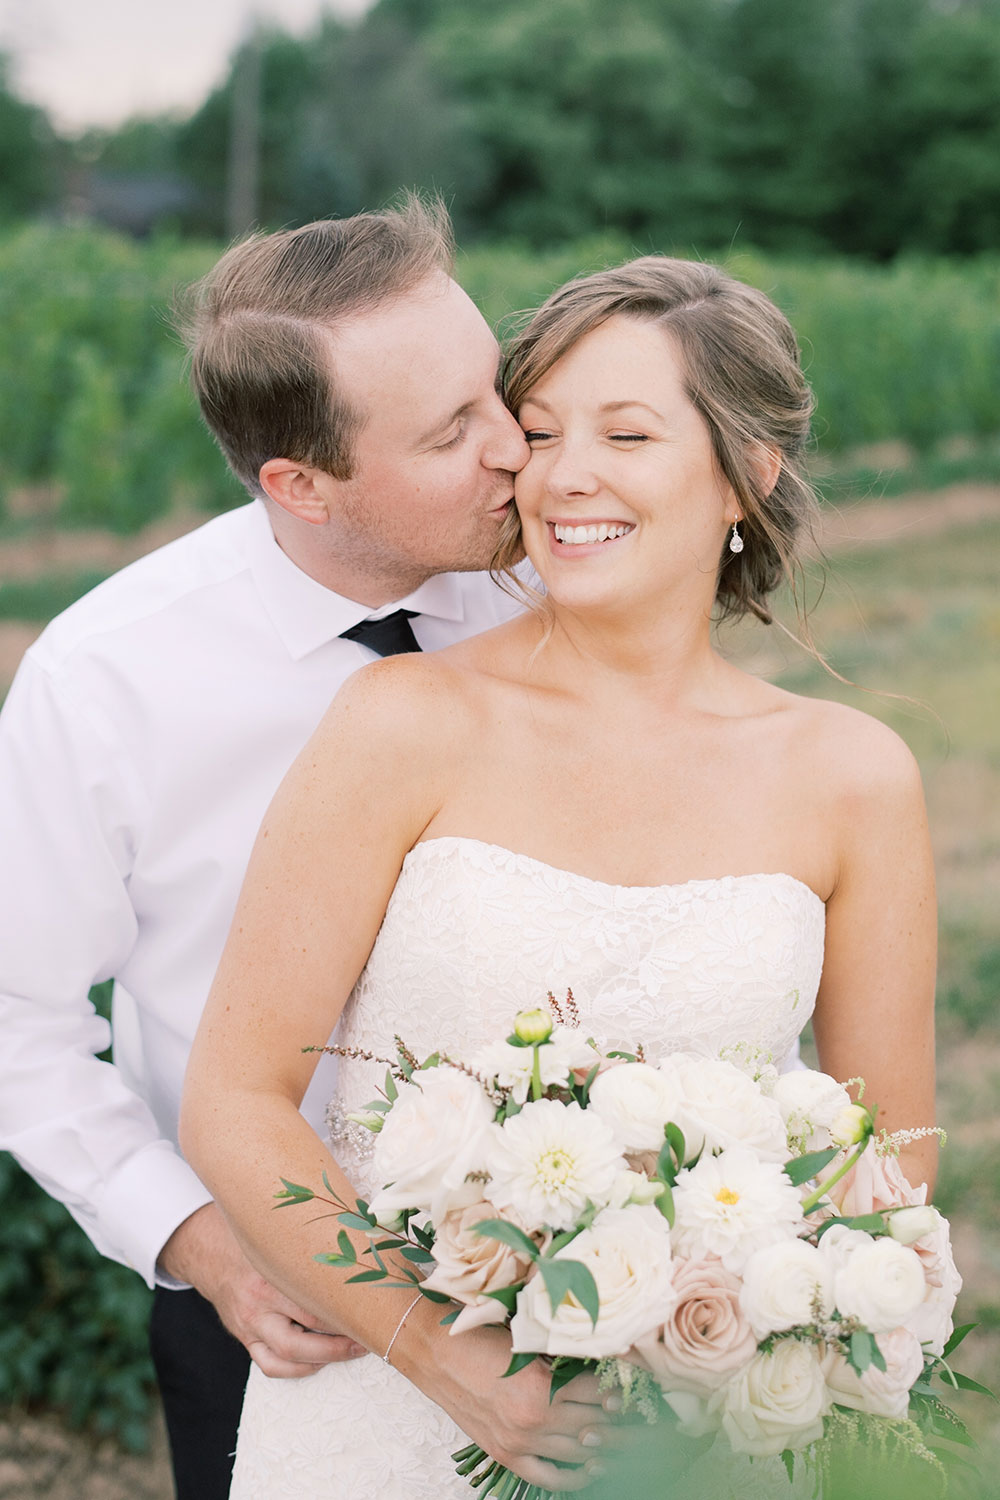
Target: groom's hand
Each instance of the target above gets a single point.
(283, 1339)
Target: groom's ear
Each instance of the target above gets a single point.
(304, 492)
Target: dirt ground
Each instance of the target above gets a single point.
(39, 1460)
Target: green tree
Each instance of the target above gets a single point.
(28, 153)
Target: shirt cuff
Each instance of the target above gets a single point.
(149, 1196)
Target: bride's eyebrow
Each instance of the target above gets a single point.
(610, 406)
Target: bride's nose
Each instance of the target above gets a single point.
(572, 470)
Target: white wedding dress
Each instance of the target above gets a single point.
(474, 933)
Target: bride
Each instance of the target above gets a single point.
(588, 796)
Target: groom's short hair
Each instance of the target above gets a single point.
(256, 325)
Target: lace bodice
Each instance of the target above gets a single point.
(474, 933)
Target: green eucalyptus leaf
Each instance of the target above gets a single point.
(676, 1141)
(571, 1278)
(507, 1234)
(802, 1168)
(957, 1337)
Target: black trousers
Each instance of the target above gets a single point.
(201, 1370)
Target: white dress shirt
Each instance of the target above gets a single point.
(140, 745)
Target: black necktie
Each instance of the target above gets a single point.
(390, 636)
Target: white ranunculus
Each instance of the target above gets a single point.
(784, 1286)
(809, 1103)
(882, 1393)
(627, 1251)
(719, 1107)
(882, 1285)
(636, 1101)
(839, 1243)
(436, 1133)
(779, 1401)
(549, 1161)
(731, 1205)
(512, 1067)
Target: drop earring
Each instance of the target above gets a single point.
(735, 541)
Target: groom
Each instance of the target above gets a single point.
(352, 388)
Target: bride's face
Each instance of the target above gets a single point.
(621, 502)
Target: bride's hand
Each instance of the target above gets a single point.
(511, 1418)
(278, 1335)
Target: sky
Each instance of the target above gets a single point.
(96, 62)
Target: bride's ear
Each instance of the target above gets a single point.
(302, 491)
(766, 461)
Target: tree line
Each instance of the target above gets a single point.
(865, 127)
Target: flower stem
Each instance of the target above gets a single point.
(536, 1074)
(808, 1204)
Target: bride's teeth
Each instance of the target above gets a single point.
(573, 536)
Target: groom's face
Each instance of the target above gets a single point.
(436, 455)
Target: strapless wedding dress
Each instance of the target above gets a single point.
(474, 933)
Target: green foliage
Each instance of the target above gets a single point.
(94, 399)
(73, 1326)
(40, 598)
(867, 127)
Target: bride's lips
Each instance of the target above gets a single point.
(602, 532)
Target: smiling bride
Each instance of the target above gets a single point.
(588, 796)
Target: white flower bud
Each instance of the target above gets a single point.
(909, 1224)
(533, 1026)
(371, 1119)
(850, 1126)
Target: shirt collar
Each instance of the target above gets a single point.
(307, 615)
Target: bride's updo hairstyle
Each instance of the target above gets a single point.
(742, 372)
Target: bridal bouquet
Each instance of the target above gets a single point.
(714, 1237)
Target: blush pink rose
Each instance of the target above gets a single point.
(707, 1339)
(874, 1184)
(469, 1265)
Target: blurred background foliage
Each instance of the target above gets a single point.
(843, 155)
(863, 127)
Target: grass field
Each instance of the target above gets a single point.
(919, 616)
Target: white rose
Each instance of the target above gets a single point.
(436, 1133)
(882, 1393)
(809, 1103)
(627, 1251)
(512, 1067)
(881, 1285)
(636, 1101)
(779, 1401)
(784, 1286)
(719, 1107)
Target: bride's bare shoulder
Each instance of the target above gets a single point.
(849, 753)
(433, 699)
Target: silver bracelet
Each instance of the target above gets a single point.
(399, 1326)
